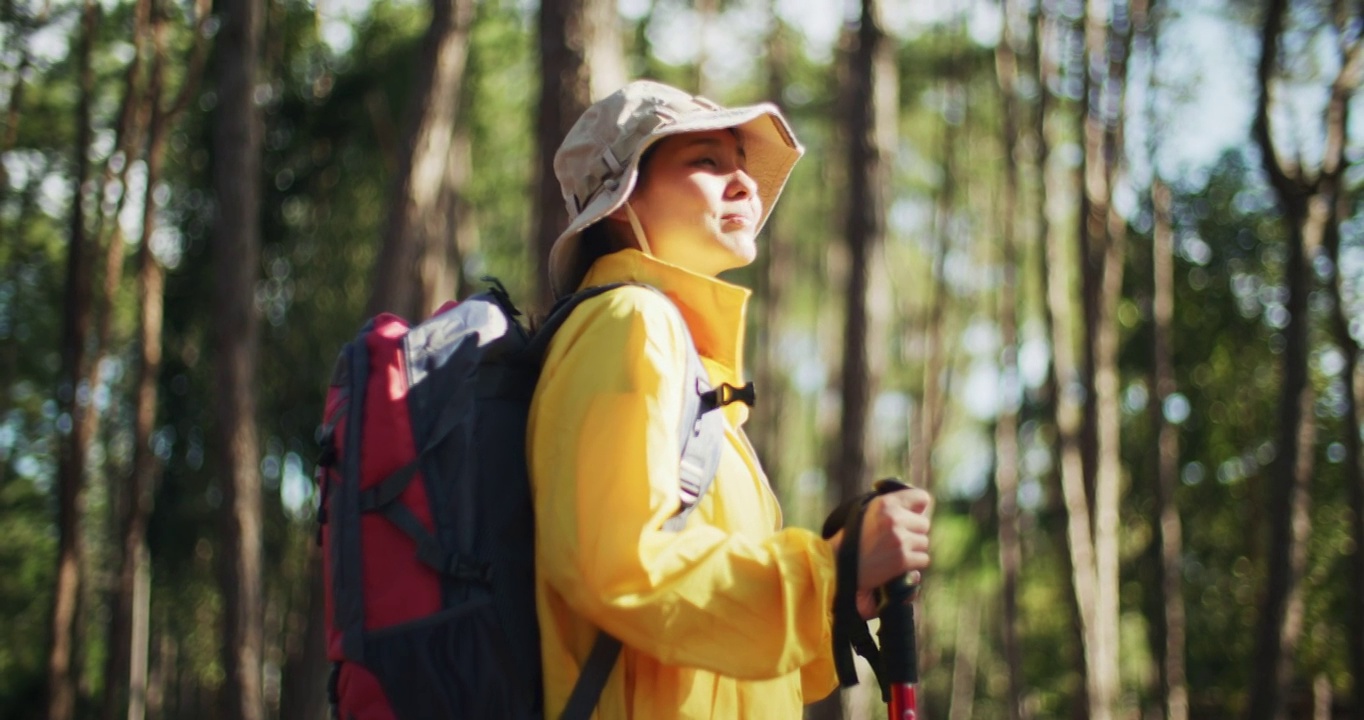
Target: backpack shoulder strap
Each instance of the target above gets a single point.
(701, 434)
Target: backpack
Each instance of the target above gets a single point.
(425, 513)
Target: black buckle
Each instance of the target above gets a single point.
(726, 394)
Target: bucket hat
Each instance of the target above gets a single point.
(598, 163)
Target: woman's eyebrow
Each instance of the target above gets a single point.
(715, 143)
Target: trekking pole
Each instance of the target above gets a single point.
(895, 661)
(899, 652)
(898, 648)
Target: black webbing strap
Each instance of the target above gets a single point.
(347, 560)
(893, 661)
(429, 551)
(334, 691)
(596, 671)
(850, 630)
(563, 307)
(379, 495)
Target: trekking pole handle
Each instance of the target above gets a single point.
(899, 652)
(898, 648)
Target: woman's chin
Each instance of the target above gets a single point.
(741, 250)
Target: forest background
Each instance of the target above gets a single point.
(1091, 270)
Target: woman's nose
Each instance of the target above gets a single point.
(741, 185)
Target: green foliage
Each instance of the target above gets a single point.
(27, 552)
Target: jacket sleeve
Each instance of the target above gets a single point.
(604, 456)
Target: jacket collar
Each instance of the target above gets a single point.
(713, 309)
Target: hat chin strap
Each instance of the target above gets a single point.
(638, 228)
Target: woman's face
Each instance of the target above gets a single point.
(698, 206)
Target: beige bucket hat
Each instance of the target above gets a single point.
(598, 163)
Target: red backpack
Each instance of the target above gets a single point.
(426, 519)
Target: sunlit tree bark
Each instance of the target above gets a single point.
(933, 404)
(776, 268)
(131, 119)
(870, 105)
(1309, 205)
(1353, 464)
(1052, 34)
(1105, 338)
(871, 78)
(1101, 251)
(1006, 425)
(414, 259)
(1169, 622)
(1171, 625)
(966, 660)
(73, 396)
(127, 677)
(581, 60)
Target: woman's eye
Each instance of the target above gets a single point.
(707, 161)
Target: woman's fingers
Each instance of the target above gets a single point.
(895, 537)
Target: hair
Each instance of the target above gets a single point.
(598, 240)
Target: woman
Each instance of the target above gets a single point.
(730, 616)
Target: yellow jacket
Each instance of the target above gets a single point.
(729, 618)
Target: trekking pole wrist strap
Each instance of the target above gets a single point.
(850, 632)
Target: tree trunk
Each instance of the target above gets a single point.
(73, 399)
(870, 106)
(1170, 531)
(139, 637)
(1090, 233)
(1069, 411)
(1006, 425)
(1357, 505)
(134, 583)
(776, 267)
(1353, 465)
(163, 669)
(442, 261)
(865, 233)
(1169, 624)
(130, 132)
(236, 246)
(1105, 339)
(1100, 262)
(933, 407)
(581, 60)
(306, 668)
(417, 231)
(965, 660)
(1309, 208)
(1057, 388)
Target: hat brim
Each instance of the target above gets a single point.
(770, 149)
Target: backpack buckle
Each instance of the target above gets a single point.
(726, 394)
